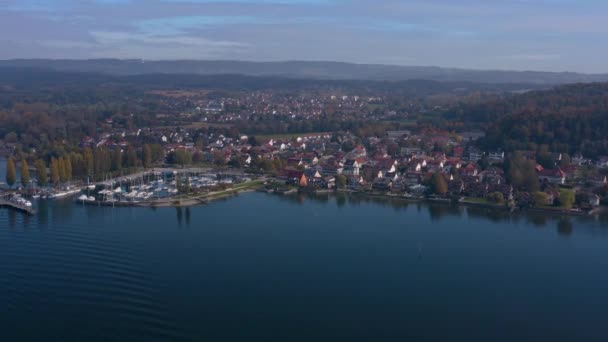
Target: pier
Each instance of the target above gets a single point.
(16, 206)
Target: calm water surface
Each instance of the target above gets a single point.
(262, 267)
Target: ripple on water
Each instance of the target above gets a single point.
(72, 277)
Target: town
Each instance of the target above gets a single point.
(144, 165)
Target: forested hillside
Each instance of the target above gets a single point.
(571, 119)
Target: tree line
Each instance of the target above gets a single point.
(89, 163)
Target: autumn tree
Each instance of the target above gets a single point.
(567, 198)
(11, 172)
(67, 165)
(541, 198)
(89, 161)
(55, 177)
(147, 159)
(25, 173)
(62, 170)
(439, 184)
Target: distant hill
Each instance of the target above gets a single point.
(306, 70)
(38, 79)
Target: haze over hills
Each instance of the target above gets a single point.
(306, 70)
(18, 79)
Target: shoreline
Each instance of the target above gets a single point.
(447, 201)
(229, 193)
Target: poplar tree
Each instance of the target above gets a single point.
(68, 167)
(55, 178)
(25, 173)
(147, 156)
(61, 169)
(187, 184)
(117, 160)
(178, 183)
(89, 161)
(11, 172)
(41, 173)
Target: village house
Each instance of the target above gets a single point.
(553, 176)
(474, 155)
(496, 157)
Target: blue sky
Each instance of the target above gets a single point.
(553, 35)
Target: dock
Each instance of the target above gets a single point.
(15, 206)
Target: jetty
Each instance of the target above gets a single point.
(16, 206)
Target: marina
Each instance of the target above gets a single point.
(160, 188)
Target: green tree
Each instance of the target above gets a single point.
(235, 162)
(178, 183)
(567, 198)
(522, 173)
(439, 184)
(541, 198)
(41, 173)
(11, 172)
(187, 184)
(496, 197)
(341, 181)
(25, 173)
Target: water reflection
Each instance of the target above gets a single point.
(564, 226)
(62, 211)
(42, 213)
(58, 212)
(441, 211)
(179, 215)
(12, 218)
(538, 220)
(341, 201)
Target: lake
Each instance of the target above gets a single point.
(265, 267)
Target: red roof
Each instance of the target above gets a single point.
(556, 173)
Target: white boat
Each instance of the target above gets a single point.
(65, 193)
(91, 187)
(83, 198)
